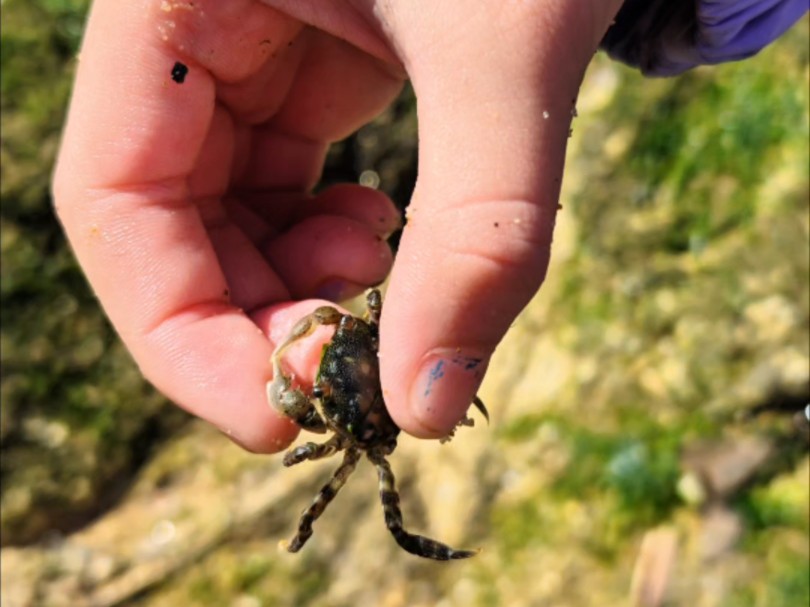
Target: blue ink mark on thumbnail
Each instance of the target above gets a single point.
(468, 362)
(436, 373)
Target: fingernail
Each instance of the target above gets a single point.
(444, 389)
(236, 439)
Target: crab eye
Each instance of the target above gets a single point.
(317, 392)
(374, 299)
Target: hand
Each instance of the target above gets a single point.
(188, 204)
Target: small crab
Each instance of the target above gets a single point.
(347, 400)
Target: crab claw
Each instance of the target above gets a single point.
(293, 403)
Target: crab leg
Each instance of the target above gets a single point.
(313, 451)
(415, 544)
(479, 404)
(326, 495)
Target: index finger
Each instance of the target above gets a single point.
(121, 190)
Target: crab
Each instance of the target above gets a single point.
(347, 400)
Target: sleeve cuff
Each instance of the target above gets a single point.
(664, 38)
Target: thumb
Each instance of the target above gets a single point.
(494, 119)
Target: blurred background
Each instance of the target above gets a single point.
(647, 446)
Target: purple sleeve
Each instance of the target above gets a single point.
(667, 37)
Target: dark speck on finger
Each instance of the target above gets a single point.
(179, 71)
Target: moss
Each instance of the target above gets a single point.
(781, 502)
(517, 526)
(781, 579)
(247, 569)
